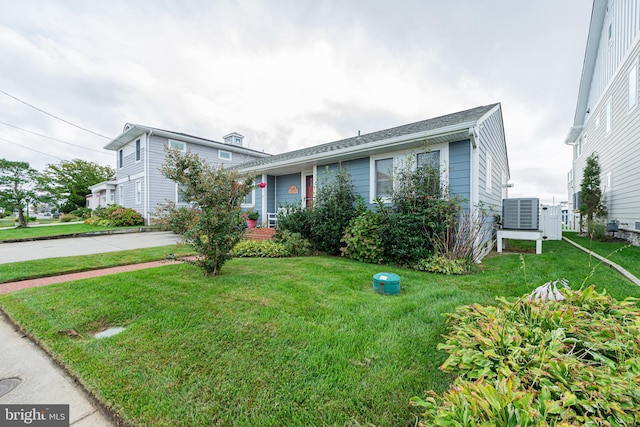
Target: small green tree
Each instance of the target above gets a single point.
(591, 193)
(19, 185)
(216, 195)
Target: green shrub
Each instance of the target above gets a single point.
(333, 209)
(116, 216)
(259, 248)
(67, 218)
(295, 219)
(441, 264)
(418, 212)
(122, 217)
(571, 362)
(83, 213)
(362, 238)
(294, 243)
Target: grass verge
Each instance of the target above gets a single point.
(61, 229)
(272, 342)
(34, 269)
(620, 252)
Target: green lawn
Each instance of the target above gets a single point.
(620, 252)
(273, 342)
(61, 229)
(14, 271)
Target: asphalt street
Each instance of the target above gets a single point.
(40, 249)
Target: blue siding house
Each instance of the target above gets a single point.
(469, 146)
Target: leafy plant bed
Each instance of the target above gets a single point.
(15, 271)
(531, 363)
(272, 342)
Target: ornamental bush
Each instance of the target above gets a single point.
(572, 362)
(217, 194)
(362, 238)
(115, 216)
(259, 248)
(333, 209)
(419, 211)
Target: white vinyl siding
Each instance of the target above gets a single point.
(607, 116)
(138, 192)
(632, 82)
(489, 174)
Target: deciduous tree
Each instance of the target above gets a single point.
(69, 181)
(19, 185)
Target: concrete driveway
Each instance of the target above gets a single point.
(40, 249)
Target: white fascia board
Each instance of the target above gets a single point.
(207, 143)
(408, 138)
(125, 137)
(573, 135)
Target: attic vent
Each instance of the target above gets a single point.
(233, 139)
(520, 214)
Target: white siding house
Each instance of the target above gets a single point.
(140, 153)
(607, 117)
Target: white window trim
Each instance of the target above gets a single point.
(178, 201)
(121, 195)
(230, 158)
(253, 201)
(138, 188)
(138, 150)
(403, 158)
(180, 145)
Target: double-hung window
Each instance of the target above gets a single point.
(383, 178)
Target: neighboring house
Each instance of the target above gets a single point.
(469, 147)
(140, 153)
(102, 195)
(607, 118)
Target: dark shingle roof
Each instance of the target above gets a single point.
(460, 117)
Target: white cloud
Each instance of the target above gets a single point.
(292, 74)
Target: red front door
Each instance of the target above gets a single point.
(308, 195)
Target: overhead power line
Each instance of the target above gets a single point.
(32, 149)
(54, 116)
(51, 138)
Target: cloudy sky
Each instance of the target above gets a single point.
(289, 74)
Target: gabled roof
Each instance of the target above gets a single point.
(437, 129)
(598, 13)
(133, 131)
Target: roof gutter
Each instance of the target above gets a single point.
(408, 138)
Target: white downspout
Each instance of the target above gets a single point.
(147, 198)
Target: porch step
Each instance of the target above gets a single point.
(262, 233)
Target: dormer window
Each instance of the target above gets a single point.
(233, 139)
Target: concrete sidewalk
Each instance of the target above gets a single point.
(41, 381)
